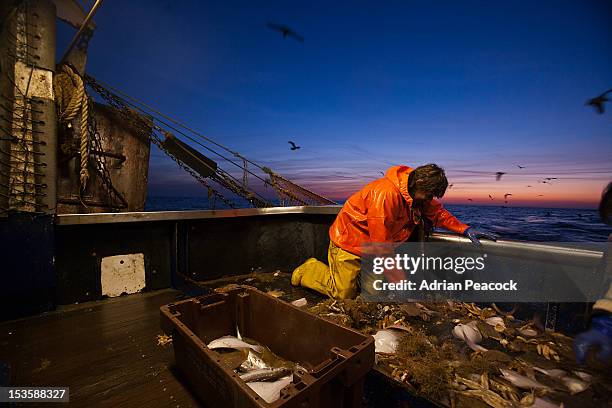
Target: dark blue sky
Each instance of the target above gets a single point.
(472, 85)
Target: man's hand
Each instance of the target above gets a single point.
(599, 335)
(473, 234)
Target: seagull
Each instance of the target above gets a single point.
(599, 101)
(520, 167)
(450, 185)
(469, 199)
(550, 178)
(498, 175)
(490, 196)
(545, 182)
(506, 197)
(294, 146)
(540, 195)
(528, 186)
(285, 31)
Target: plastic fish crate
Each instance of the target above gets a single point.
(336, 358)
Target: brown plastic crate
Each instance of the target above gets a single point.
(337, 358)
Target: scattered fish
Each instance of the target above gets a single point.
(265, 374)
(269, 391)
(300, 302)
(399, 326)
(528, 332)
(496, 321)
(574, 385)
(470, 334)
(552, 373)
(583, 376)
(232, 342)
(386, 341)
(521, 381)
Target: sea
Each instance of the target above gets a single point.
(514, 223)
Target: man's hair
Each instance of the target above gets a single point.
(430, 178)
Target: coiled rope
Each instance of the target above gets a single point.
(71, 100)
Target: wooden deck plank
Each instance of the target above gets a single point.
(106, 352)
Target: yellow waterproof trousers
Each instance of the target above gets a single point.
(338, 280)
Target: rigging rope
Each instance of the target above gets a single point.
(285, 189)
(71, 100)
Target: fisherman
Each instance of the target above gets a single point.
(599, 335)
(391, 209)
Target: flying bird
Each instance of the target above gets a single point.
(550, 178)
(506, 197)
(520, 167)
(285, 31)
(450, 185)
(469, 199)
(599, 101)
(540, 195)
(381, 173)
(490, 196)
(528, 186)
(294, 146)
(499, 175)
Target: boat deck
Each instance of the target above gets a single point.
(107, 353)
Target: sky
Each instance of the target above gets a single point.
(474, 86)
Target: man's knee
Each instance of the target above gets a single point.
(345, 293)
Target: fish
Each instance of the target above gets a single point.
(469, 333)
(234, 358)
(386, 341)
(399, 326)
(583, 376)
(232, 342)
(269, 391)
(253, 362)
(521, 381)
(528, 332)
(574, 385)
(496, 321)
(553, 373)
(300, 302)
(265, 374)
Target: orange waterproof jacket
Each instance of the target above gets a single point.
(382, 212)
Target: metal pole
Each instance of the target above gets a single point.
(83, 27)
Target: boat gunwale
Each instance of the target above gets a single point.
(564, 248)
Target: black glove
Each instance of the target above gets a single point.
(473, 234)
